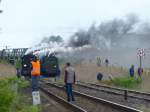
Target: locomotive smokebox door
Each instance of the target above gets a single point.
(49, 66)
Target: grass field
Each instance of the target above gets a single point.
(88, 72)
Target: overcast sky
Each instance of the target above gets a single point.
(24, 22)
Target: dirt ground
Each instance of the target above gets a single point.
(88, 72)
(7, 70)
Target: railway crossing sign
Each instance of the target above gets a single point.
(140, 54)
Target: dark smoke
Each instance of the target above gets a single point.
(144, 32)
(80, 39)
(115, 29)
(106, 34)
(117, 40)
(48, 40)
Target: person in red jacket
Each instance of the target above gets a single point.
(69, 80)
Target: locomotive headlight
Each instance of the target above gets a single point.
(25, 65)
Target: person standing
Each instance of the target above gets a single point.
(140, 71)
(106, 62)
(131, 71)
(69, 80)
(35, 73)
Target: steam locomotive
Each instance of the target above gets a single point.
(49, 65)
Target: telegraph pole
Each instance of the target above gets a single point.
(140, 61)
(0, 9)
(141, 54)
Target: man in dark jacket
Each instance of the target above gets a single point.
(69, 80)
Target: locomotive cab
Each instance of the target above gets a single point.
(26, 65)
(49, 66)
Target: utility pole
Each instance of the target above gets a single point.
(140, 61)
(141, 54)
(0, 9)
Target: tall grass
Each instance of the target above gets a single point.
(11, 100)
(7, 94)
(125, 82)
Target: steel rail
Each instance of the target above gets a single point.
(106, 102)
(71, 106)
(129, 92)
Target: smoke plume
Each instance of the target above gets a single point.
(106, 34)
(116, 40)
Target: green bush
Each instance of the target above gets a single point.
(7, 94)
(127, 82)
(10, 100)
(7, 97)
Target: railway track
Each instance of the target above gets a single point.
(126, 93)
(68, 106)
(114, 97)
(91, 103)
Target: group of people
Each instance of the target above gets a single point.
(132, 71)
(69, 77)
